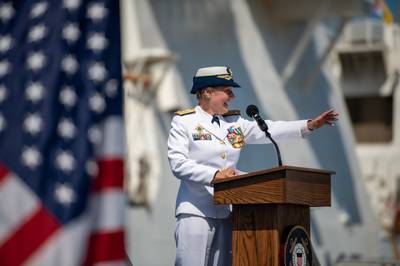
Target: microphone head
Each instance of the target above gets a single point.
(252, 110)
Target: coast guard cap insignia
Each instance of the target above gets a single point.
(229, 70)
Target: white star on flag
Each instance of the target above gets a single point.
(69, 64)
(39, 9)
(111, 87)
(36, 61)
(34, 91)
(5, 68)
(97, 11)
(97, 72)
(92, 168)
(71, 32)
(37, 33)
(33, 124)
(66, 128)
(6, 12)
(65, 161)
(94, 134)
(68, 97)
(3, 93)
(31, 157)
(97, 42)
(64, 194)
(71, 5)
(6, 42)
(2, 122)
(97, 103)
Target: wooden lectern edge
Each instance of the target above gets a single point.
(271, 170)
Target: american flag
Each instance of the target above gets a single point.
(61, 168)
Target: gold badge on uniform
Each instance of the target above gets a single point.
(235, 137)
(200, 135)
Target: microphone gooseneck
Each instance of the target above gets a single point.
(252, 111)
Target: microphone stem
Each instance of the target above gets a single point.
(278, 152)
(263, 126)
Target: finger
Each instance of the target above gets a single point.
(332, 120)
(229, 171)
(328, 111)
(333, 115)
(331, 112)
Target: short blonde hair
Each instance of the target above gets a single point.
(200, 93)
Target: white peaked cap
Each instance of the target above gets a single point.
(213, 71)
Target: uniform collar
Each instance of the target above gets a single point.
(205, 122)
(205, 114)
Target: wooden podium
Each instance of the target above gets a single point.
(265, 204)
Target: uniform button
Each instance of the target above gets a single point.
(222, 142)
(223, 155)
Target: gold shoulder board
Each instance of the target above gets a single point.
(232, 112)
(185, 112)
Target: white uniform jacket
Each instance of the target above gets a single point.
(197, 149)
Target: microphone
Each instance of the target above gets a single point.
(252, 111)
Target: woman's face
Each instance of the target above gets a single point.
(219, 98)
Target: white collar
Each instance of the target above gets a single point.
(204, 113)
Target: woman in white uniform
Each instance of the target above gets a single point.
(204, 144)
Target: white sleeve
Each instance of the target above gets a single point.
(181, 165)
(279, 130)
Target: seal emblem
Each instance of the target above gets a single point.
(297, 250)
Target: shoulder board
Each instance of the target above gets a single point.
(185, 112)
(232, 112)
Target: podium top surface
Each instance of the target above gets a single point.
(275, 169)
(279, 185)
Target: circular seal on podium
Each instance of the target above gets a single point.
(297, 249)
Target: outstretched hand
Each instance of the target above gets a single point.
(326, 118)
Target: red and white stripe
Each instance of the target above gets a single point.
(30, 235)
(106, 243)
(24, 224)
